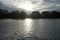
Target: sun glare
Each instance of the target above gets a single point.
(26, 6)
(28, 26)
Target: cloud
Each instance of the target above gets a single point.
(4, 5)
(47, 4)
(39, 4)
(51, 4)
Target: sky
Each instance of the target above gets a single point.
(41, 5)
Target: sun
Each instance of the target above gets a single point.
(26, 6)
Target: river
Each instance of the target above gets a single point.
(30, 29)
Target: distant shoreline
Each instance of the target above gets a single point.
(30, 17)
(4, 14)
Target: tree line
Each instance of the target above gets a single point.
(35, 14)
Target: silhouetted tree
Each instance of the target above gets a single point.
(17, 14)
(35, 14)
(14, 14)
(55, 14)
(45, 14)
(3, 13)
(23, 14)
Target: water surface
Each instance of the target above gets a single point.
(30, 29)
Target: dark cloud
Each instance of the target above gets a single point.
(5, 7)
(52, 1)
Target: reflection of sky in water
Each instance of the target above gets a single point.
(28, 26)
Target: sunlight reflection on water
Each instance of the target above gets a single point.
(28, 23)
